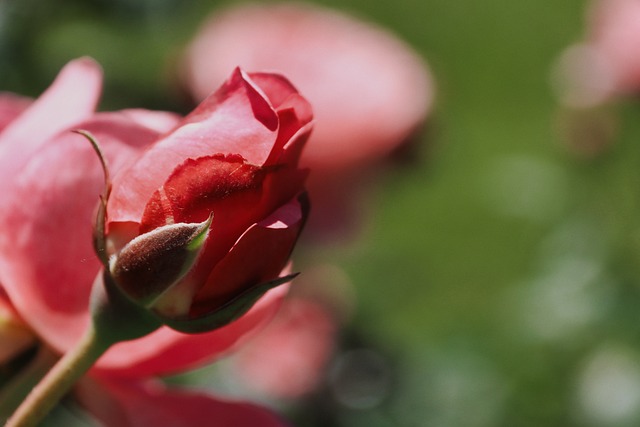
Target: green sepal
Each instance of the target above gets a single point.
(115, 317)
(154, 262)
(227, 313)
(99, 238)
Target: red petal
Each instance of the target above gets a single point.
(294, 112)
(226, 186)
(277, 87)
(238, 194)
(235, 119)
(131, 404)
(258, 256)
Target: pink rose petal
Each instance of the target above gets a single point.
(71, 98)
(47, 260)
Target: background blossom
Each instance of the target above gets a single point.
(369, 90)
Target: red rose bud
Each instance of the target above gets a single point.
(236, 156)
(153, 262)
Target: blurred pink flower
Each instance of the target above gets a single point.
(606, 63)
(50, 180)
(299, 343)
(297, 346)
(369, 90)
(614, 31)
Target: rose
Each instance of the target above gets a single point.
(50, 179)
(244, 173)
(40, 196)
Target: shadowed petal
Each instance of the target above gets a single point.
(258, 256)
(166, 351)
(131, 404)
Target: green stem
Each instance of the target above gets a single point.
(114, 319)
(59, 380)
(19, 386)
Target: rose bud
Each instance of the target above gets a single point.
(153, 262)
(233, 160)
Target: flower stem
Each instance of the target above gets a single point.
(114, 318)
(59, 380)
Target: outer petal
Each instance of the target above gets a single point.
(258, 256)
(130, 404)
(46, 256)
(160, 121)
(238, 118)
(294, 113)
(71, 98)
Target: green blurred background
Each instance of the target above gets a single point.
(498, 276)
